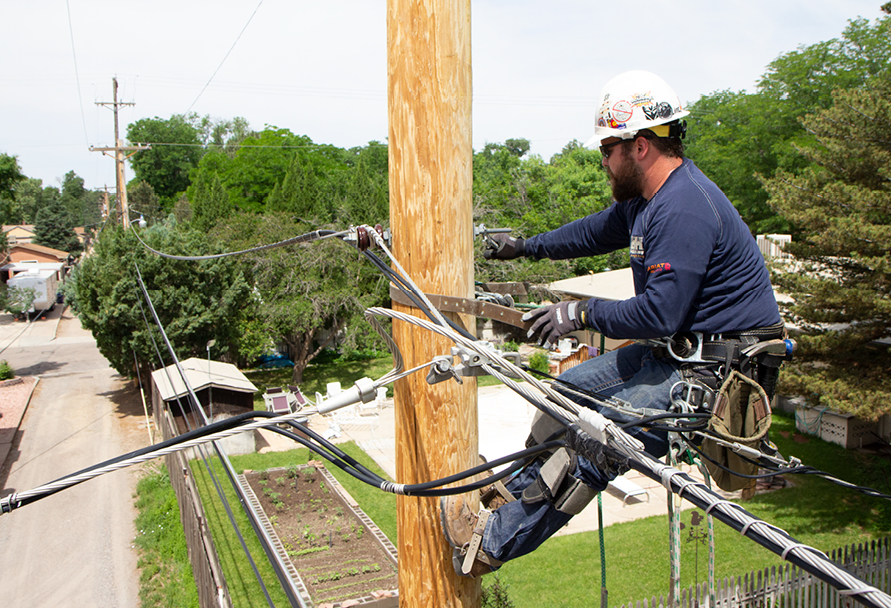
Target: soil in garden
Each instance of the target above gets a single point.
(337, 557)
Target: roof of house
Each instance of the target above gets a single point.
(25, 227)
(610, 285)
(62, 255)
(25, 266)
(200, 374)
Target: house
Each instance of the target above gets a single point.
(222, 392)
(31, 252)
(21, 233)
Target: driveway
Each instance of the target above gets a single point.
(73, 548)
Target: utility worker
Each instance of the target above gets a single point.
(696, 268)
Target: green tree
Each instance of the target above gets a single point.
(81, 204)
(176, 150)
(734, 137)
(531, 197)
(10, 173)
(10, 176)
(209, 201)
(840, 279)
(54, 228)
(309, 294)
(31, 197)
(366, 198)
(195, 301)
(143, 201)
(222, 134)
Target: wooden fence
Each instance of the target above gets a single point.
(206, 569)
(788, 586)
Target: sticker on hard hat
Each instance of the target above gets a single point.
(622, 111)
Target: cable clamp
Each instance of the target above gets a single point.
(605, 431)
(441, 369)
(472, 361)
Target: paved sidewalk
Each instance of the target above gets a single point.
(15, 394)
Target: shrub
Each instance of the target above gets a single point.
(539, 361)
(495, 595)
(6, 372)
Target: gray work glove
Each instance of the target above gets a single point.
(500, 246)
(551, 322)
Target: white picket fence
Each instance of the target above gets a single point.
(788, 586)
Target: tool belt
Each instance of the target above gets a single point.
(740, 369)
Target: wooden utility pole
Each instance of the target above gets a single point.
(431, 175)
(119, 149)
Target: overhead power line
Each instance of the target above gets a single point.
(80, 100)
(225, 57)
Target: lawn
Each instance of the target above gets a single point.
(565, 571)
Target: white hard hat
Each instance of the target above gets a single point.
(633, 101)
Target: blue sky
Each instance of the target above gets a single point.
(319, 68)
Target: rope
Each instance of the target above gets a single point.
(674, 535)
(711, 536)
(604, 594)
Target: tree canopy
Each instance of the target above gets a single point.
(176, 150)
(734, 137)
(195, 301)
(308, 293)
(840, 276)
(54, 228)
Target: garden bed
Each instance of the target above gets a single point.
(339, 555)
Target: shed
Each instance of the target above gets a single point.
(221, 389)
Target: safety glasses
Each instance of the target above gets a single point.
(605, 150)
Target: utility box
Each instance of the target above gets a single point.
(43, 282)
(845, 430)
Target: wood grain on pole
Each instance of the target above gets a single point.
(431, 175)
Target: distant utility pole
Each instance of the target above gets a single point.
(119, 149)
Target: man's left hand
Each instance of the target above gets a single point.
(551, 322)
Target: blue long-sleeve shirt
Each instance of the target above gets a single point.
(695, 264)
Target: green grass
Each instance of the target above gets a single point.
(814, 511)
(165, 577)
(243, 586)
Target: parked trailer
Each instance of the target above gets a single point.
(44, 284)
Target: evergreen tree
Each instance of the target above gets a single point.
(840, 276)
(196, 301)
(53, 228)
(210, 202)
(144, 202)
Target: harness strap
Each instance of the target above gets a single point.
(473, 549)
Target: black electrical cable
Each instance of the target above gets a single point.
(798, 470)
(271, 554)
(301, 238)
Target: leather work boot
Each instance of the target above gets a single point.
(464, 533)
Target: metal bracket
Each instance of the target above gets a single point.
(441, 369)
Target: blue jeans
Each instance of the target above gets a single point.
(631, 374)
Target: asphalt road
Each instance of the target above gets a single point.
(74, 548)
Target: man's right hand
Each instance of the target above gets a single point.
(500, 246)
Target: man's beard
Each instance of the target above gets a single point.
(628, 182)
